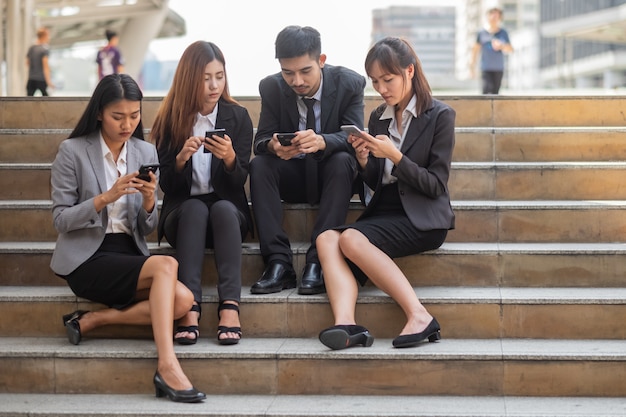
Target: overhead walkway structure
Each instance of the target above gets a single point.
(74, 21)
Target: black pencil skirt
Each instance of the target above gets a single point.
(110, 275)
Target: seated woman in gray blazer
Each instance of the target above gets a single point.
(103, 213)
(404, 159)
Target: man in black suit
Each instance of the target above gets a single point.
(312, 100)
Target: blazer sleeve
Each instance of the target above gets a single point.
(429, 176)
(73, 191)
(270, 92)
(240, 131)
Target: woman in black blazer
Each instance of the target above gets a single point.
(404, 160)
(205, 204)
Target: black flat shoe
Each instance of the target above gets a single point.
(181, 340)
(190, 395)
(224, 329)
(72, 326)
(432, 332)
(346, 335)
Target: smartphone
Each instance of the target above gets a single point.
(285, 138)
(210, 133)
(145, 169)
(352, 129)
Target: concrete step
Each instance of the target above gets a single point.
(303, 366)
(539, 144)
(133, 405)
(468, 180)
(464, 312)
(473, 144)
(567, 221)
(482, 111)
(466, 264)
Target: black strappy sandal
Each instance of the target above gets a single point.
(189, 329)
(224, 329)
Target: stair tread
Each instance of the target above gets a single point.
(456, 204)
(16, 405)
(311, 349)
(447, 247)
(372, 295)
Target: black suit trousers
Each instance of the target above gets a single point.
(197, 224)
(273, 179)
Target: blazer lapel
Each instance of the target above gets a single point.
(329, 95)
(416, 128)
(291, 105)
(94, 153)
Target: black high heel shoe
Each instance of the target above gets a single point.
(181, 340)
(225, 329)
(190, 395)
(432, 332)
(72, 326)
(346, 335)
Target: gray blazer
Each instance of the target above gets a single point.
(77, 178)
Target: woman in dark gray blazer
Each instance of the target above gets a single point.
(103, 213)
(404, 160)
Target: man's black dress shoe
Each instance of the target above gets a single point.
(346, 335)
(276, 277)
(432, 332)
(190, 395)
(312, 280)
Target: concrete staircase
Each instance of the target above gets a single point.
(529, 289)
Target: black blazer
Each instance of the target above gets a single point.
(228, 185)
(342, 104)
(424, 169)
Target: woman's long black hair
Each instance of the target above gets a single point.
(110, 89)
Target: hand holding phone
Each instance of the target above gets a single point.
(210, 133)
(285, 138)
(145, 169)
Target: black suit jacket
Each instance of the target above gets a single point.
(228, 185)
(342, 104)
(424, 169)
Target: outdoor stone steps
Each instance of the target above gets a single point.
(303, 366)
(468, 180)
(529, 265)
(134, 405)
(529, 288)
(473, 144)
(464, 312)
(566, 221)
(471, 111)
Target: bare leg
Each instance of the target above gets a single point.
(167, 298)
(341, 286)
(385, 274)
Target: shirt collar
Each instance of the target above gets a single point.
(318, 94)
(107, 152)
(212, 117)
(389, 112)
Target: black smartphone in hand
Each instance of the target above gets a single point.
(145, 169)
(210, 133)
(285, 138)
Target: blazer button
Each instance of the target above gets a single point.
(401, 192)
(92, 221)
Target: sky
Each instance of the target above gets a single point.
(245, 31)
